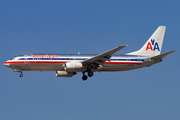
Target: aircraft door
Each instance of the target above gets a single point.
(26, 60)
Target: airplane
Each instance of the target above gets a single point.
(67, 65)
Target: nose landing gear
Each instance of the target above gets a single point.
(21, 75)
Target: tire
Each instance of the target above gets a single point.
(84, 77)
(21, 75)
(90, 74)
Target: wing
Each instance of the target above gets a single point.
(101, 58)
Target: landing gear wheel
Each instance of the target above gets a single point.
(21, 75)
(84, 77)
(90, 74)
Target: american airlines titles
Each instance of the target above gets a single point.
(45, 56)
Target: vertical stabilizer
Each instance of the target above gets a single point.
(154, 44)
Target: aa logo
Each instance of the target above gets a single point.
(152, 44)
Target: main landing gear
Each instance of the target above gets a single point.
(90, 74)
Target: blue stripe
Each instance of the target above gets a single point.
(78, 59)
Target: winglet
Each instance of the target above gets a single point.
(162, 55)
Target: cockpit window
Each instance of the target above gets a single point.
(13, 58)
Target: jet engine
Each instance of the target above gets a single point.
(74, 67)
(64, 74)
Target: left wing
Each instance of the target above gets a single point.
(101, 58)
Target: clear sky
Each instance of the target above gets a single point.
(89, 26)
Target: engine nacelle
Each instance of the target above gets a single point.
(64, 74)
(74, 67)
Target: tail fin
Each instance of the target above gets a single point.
(154, 44)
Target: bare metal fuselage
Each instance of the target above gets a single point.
(47, 62)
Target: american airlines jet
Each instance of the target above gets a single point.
(67, 65)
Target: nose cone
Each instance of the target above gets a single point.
(6, 64)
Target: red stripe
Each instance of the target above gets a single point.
(122, 63)
(13, 62)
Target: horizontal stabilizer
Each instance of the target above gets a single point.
(162, 55)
